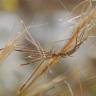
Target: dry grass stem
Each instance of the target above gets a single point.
(86, 24)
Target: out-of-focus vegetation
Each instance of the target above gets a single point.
(48, 21)
(9, 5)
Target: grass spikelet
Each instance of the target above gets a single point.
(61, 85)
(85, 25)
(10, 46)
(6, 51)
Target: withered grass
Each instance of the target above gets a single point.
(68, 49)
(87, 22)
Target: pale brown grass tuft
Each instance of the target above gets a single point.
(85, 25)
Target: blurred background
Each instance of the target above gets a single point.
(47, 19)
